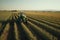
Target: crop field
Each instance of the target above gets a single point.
(41, 25)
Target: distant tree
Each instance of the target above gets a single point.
(14, 10)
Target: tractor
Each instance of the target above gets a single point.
(22, 17)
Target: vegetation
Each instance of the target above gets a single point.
(40, 25)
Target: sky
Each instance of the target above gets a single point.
(30, 5)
